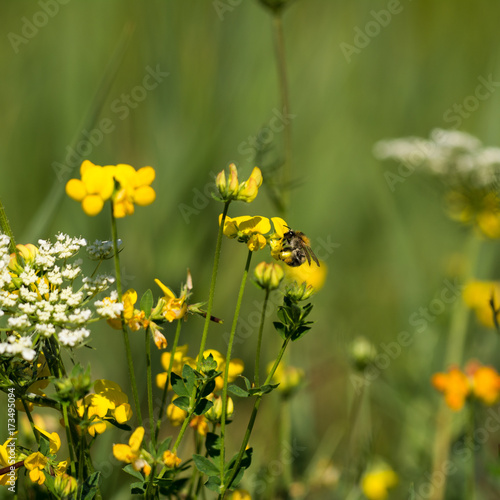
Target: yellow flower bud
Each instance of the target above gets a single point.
(268, 276)
(215, 412)
(65, 485)
(171, 459)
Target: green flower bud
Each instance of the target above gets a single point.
(268, 276)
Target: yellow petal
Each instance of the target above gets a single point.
(166, 291)
(92, 204)
(280, 226)
(145, 176)
(136, 438)
(75, 189)
(86, 164)
(122, 452)
(144, 195)
(122, 413)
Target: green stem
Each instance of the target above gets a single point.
(207, 321)
(226, 367)
(454, 353)
(149, 385)
(279, 47)
(259, 339)
(126, 340)
(6, 229)
(253, 416)
(212, 284)
(71, 445)
(167, 381)
(471, 446)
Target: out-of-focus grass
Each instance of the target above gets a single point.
(395, 247)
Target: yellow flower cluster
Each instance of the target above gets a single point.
(108, 402)
(478, 296)
(121, 183)
(482, 382)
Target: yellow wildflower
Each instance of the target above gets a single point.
(108, 402)
(248, 229)
(54, 440)
(95, 187)
(171, 459)
(35, 463)
(173, 307)
(478, 294)
(485, 382)
(375, 484)
(131, 453)
(200, 424)
(240, 495)
(134, 189)
(312, 274)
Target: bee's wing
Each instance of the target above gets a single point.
(309, 254)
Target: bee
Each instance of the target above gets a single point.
(296, 249)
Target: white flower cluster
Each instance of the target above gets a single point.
(18, 345)
(100, 250)
(37, 295)
(456, 155)
(5, 277)
(109, 307)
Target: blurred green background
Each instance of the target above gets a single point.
(394, 248)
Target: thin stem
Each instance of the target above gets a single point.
(454, 353)
(167, 381)
(253, 416)
(149, 385)
(279, 47)
(126, 340)
(207, 319)
(226, 368)
(6, 229)
(212, 285)
(259, 339)
(69, 438)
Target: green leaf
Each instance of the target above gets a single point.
(44, 446)
(169, 487)
(265, 389)
(203, 406)
(90, 486)
(182, 402)
(299, 332)
(213, 444)
(238, 391)
(189, 377)
(146, 303)
(213, 484)
(137, 488)
(208, 364)
(123, 427)
(209, 388)
(280, 328)
(130, 470)
(178, 385)
(205, 466)
(163, 446)
(248, 385)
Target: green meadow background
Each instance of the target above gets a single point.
(387, 251)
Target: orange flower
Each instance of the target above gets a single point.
(454, 385)
(485, 383)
